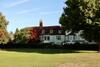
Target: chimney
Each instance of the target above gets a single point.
(40, 24)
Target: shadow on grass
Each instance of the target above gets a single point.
(45, 51)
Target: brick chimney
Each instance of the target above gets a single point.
(40, 24)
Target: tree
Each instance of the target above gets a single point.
(34, 35)
(21, 36)
(26, 35)
(82, 15)
(4, 36)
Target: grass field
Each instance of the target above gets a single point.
(48, 58)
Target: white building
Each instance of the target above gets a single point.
(74, 38)
(57, 35)
(52, 34)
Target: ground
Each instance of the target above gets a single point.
(48, 58)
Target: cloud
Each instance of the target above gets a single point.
(50, 13)
(17, 3)
(27, 11)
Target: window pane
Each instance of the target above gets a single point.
(58, 37)
(48, 38)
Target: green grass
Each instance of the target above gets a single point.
(48, 58)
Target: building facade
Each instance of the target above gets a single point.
(52, 34)
(57, 35)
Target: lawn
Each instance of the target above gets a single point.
(48, 58)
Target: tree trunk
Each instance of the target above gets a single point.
(99, 47)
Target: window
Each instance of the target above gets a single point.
(59, 31)
(74, 37)
(71, 37)
(46, 38)
(67, 37)
(47, 31)
(58, 37)
(43, 31)
(51, 31)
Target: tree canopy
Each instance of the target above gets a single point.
(82, 15)
(26, 35)
(4, 36)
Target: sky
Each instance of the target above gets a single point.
(28, 13)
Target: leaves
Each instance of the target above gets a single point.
(26, 35)
(82, 15)
(4, 37)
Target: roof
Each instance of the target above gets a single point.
(54, 27)
(47, 29)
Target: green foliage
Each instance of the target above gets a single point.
(26, 36)
(3, 21)
(22, 36)
(82, 15)
(70, 15)
(4, 36)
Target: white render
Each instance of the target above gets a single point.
(64, 39)
(71, 39)
(74, 38)
(53, 39)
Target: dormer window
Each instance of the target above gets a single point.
(51, 31)
(59, 31)
(43, 31)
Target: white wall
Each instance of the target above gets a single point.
(75, 37)
(53, 39)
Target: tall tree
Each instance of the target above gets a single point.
(21, 36)
(26, 35)
(4, 36)
(83, 15)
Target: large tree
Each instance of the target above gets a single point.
(4, 37)
(26, 35)
(21, 36)
(83, 15)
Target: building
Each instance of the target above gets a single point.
(52, 34)
(56, 35)
(74, 38)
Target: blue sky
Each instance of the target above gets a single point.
(27, 13)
